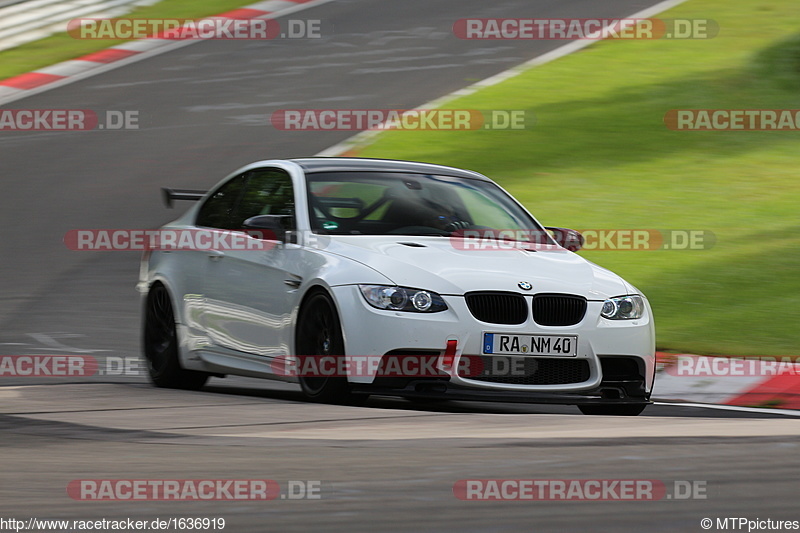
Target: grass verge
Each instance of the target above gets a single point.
(61, 47)
(600, 156)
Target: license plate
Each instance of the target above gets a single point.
(555, 345)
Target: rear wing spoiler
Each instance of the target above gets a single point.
(170, 195)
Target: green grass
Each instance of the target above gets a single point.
(600, 156)
(62, 47)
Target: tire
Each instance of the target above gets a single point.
(613, 410)
(160, 344)
(319, 332)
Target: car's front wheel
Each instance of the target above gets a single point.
(160, 344)
(319, 333)
(613, 410)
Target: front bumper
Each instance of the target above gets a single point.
(370, 331)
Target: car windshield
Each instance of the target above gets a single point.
(393, 203)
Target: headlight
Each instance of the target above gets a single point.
(623, 308)
(402, 299)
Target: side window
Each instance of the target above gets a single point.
(218, 209)
(268, 192)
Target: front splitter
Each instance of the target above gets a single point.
(445, 391)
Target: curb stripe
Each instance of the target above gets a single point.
(30, 80)
(108, 56)
(242, 13)
(782, 390)
(68, 68)
(8, 91)
(18, 87)
(142, 45)
(359, 141)
(273, 5)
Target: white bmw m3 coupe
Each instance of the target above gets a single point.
(365, 276)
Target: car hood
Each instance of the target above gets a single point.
(434, 263)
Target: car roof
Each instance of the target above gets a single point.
(362, 164)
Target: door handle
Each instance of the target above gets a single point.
(216, 255)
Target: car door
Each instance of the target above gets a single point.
(249, 292)
(214, 212)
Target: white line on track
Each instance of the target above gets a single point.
(364, 137)
(144, 55)
(757, 410)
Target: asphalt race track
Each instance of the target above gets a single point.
(388, 466)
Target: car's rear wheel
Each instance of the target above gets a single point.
(613, 410)
(160, 344)
(319, 333)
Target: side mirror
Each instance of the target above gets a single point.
(268, 227)
(567, 238)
